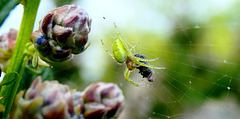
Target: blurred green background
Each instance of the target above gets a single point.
(197, 41)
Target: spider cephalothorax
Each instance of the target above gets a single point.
(131, 65)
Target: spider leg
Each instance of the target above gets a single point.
(134, 46)
(107, 49)
(146, 60)
(150, 66)
(124, 45)
(117, 31)
(139, 81)
(126, 75)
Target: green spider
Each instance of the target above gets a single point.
(122, 54)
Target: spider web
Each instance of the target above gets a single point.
(180, 91)
(200, 55)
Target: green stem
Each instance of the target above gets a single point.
(19, 59)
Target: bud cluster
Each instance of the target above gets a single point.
(47, 100)
(103, 100)
(62, 32)
(52, 100)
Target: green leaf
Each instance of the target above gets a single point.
(9, 78)
(2, 108)
(5, 7)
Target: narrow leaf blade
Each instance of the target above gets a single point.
(5, 7)
(9, 78)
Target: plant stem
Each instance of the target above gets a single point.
(19, 59)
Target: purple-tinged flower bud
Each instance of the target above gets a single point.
(62, 32)
(41, 43)
(7, 44)
(7, 40)
(78, 104)
(102, 100)
(44, 100)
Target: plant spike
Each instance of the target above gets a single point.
(19, 59)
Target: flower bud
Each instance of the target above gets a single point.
(7, 40)
(47, 100)
(78, 104)
(7, 44)
(102, 100)
(62, 32)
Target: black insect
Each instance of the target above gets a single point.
(146, 72)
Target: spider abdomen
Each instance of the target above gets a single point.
(119, 51)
